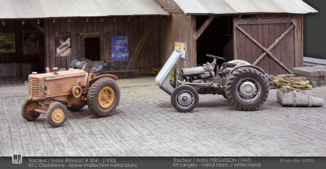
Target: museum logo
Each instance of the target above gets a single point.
(17, 159)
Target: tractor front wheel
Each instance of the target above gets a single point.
(27, 110)
(184, 98)
(56, 114)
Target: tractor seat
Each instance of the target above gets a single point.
(226, 64)
(96, 69)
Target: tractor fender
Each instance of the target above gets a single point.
(256, 67)
(114, 77)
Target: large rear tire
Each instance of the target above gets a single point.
(103, 97)
(246, 88)
(184, 98)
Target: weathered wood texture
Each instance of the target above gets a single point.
(146, 57)
(170, 6)
(273, 42)
(15, 26)
(179, 27)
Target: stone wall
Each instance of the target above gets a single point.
(315, 74)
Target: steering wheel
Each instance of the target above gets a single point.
(217, 57)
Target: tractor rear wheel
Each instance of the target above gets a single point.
(103, 97)
(246, 88)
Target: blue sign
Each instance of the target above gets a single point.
(120, 48)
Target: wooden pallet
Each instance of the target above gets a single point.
(297, 84)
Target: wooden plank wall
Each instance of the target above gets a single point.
(177, 27)
(132, 26)
(289, 50)
(15, 26)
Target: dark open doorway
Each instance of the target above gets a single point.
(217, 39)
(92, 49)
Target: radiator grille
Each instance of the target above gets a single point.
(33, 87)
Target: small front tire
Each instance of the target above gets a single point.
(56, 114)
(27, 110)
(184, 98)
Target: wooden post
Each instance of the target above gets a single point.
(235, 51)
(204, 26)
(194, 41)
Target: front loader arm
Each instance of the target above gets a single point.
(163, 78)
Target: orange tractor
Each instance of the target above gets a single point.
(52, 93)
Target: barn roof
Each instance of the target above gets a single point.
(12, 9)
(244, 6)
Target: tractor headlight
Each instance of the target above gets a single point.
(26, 83)
(43, 87)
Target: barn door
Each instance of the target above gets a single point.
(267, 43)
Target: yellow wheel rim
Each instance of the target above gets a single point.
(106, 97)
(30, 109)
(58, 115)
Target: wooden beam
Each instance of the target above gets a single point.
(140, 45)
(263, 21)
(273, 45)
(174, 10)
(204, 26)
(262, 47)
(38, 27)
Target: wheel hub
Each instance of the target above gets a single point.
(106, 97)
(30, 109)
(184, 99)
(248, 89)
(58, 115)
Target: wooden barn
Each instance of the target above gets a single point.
(36, 34)
(90, 25)
(267, 33)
